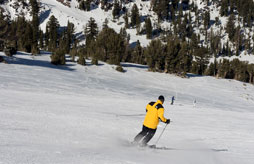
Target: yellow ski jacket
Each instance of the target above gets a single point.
(155, 111)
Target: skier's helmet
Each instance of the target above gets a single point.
(161, 98)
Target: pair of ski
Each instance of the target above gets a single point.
(168, 148)
(159, 148)
(151, 147)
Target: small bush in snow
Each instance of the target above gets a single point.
(58, 57)
(119, 69)
(81, 60)
(95, 61)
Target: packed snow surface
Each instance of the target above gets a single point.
(77, 114)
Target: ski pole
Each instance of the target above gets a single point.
(161, 134)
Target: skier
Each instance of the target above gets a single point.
(194, 102)
(155, 111)
(172, 100)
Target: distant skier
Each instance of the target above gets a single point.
(155, 111)
(172, 100)
(194, 102)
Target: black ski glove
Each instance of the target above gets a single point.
(168, 121)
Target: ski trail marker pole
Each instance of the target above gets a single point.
(161, 134)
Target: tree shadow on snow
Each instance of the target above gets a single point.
(190, 75)
(134, 65)
(36, 62)
(89, 63)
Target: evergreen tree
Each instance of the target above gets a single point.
(123, 33)
(135, 18)
(46, 38)
(52, 27)
(180, 13)
(210, 70)
(41, 41)
(35, 24)
(3, 26)
(249, 20)
(126, 20)
(116, 10)
(63, 42)
(175, 3)
(238, 39)
(85, 5)
(28, 38)
(138, 54)
(91, 31)
(207, 20)
(184, 60)
(110, 46)
(105, 23)
(69, 36)
(251, 73)
(201, 59)
(82, 5)
(224, 8)
(172, 13)
(161, 8)
(223, 68)
(88, 5)
(172, 49)
(230, 27)
(21, 33)
(214, 49)
(240, 70)
(182, 27)
(155, 56)
(194, 41)
(149, 28)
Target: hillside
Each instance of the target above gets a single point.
(76, 114)
(73, 14)
(205, 37)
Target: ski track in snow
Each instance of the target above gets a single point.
(88, 114)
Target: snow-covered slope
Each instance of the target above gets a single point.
(76, 114)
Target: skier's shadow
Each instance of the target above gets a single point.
(179, 149)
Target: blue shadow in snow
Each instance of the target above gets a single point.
(46, 52)
(44, 16)
(134, 65)
(133, 44)
(38, 63)
(80, 36)
(190, 75)
(90, 64)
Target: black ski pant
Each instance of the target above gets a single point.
(146, 133)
